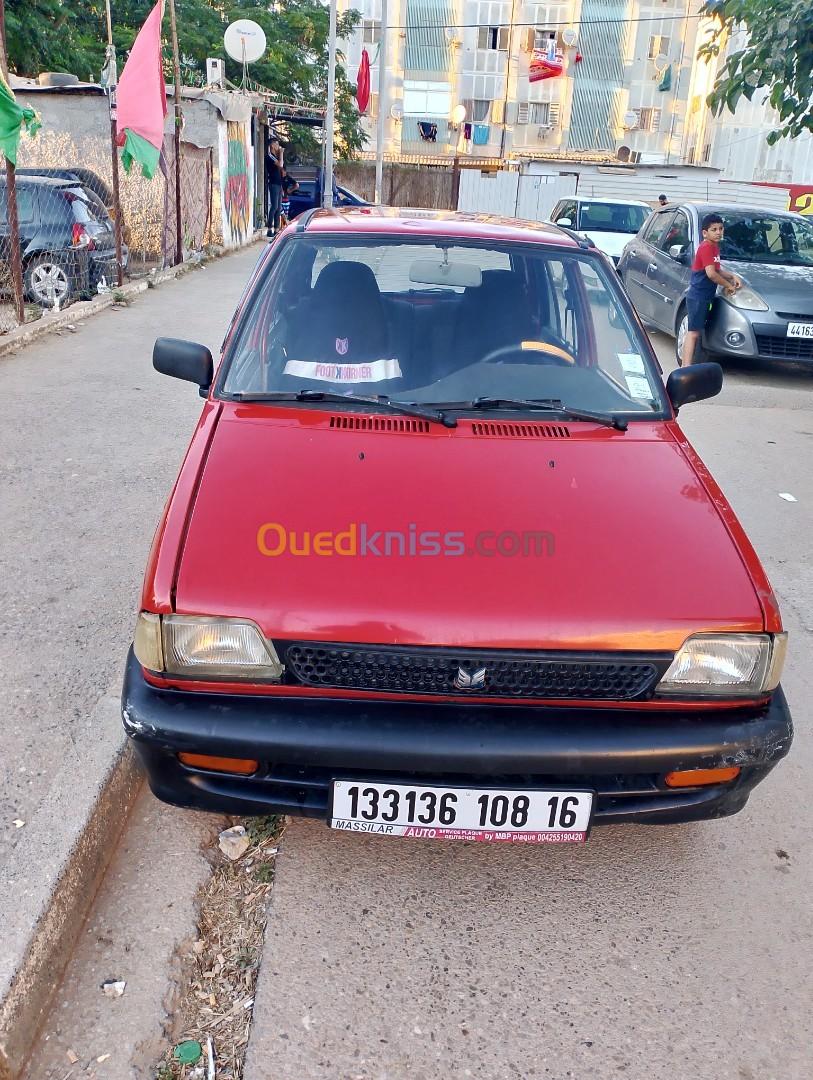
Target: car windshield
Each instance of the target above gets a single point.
(427, 323)
(612, 217)
(767, 238)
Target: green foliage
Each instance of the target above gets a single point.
(70, 35)
(778, 57)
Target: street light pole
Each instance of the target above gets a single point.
(382, 109)
(178, 120)
(113, 78)
(327, 194)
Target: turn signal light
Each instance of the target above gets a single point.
(241, 766)
(701, 777)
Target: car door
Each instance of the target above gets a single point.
(669, 271)
(637, 260)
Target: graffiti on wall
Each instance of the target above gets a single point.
(236, 182)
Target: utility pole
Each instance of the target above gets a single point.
(327, 194)
(113, 78)
(11, 195)
(382, 111)
(176, 62)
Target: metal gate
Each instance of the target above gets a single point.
(513, 194)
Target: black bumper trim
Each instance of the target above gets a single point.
(321, 736)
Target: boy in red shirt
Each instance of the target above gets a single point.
(707, 274)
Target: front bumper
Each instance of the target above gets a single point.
(764, 335)
(302, 743)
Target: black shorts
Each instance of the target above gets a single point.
(698, 311)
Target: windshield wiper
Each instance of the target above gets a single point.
(544, 405)
(382, 401)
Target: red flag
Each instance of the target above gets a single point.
(363, 82)
(142, 99)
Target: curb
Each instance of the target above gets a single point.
(84, 309)
(54, 872)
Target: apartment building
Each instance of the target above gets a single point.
(628, 78)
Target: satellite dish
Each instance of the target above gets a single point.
(244, 41)
(458, 114)
(660, 62)
(630, 120)
(570, 36)
(396, 110)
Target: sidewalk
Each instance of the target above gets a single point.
(90, 444)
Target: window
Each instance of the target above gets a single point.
(539, 113)
(440, 322)
(543, 36)
(658, 46)
(566, 211)
(427, 98)
(677, 235)
(656, 230)
(25, 203)
(612, 217)
(372, 108)
(370, 31)
(649, 119)
(477, 110)
(493, 37)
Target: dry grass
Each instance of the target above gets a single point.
(220, 970)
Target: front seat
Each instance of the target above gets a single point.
(492, 316)
(343, 320)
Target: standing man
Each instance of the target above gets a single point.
(273, 175)
(707, 274)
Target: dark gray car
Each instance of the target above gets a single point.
(770, 318)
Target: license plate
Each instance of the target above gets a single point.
(453, 813)
(800, 329)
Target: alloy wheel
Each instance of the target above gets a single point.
(49, 283)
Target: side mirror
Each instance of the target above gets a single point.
(565, 222)
(679, 252)
(183, 360)
(694, 383)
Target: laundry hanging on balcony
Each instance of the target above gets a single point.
(546, 63)
(480, 134)
(428, 131)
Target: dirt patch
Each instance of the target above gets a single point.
(215, 994)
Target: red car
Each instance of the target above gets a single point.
(440, 561)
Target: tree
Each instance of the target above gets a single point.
(70, 35)
(777, 57)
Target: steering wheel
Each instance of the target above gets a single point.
(533, 352)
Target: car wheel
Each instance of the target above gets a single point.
(48, 281)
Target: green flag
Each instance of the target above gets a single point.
(666, 81)
(12, 118)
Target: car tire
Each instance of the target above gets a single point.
(681, 328)
(48, 277)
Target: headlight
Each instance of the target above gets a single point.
(747, 299)
(726, 665)
(201, 645)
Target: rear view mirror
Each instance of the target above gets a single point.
(565, 222)
(436, 272)
(679, 252)
(183, 360)
(694, 383)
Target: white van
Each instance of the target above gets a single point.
(609, 223)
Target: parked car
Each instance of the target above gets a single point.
(440, 561)
(311, 186)
(771, 318)
(66, 239)
(609, 223)
(89, 180)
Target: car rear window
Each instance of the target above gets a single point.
(430, 322)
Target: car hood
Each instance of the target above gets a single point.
(639, 556)
(785, 288)
(611, 243)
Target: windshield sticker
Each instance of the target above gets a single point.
(376, 371)
(639, 387)
(631, 363)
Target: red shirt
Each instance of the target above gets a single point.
(708, 254)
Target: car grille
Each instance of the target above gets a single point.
(429, 670)
(785, 348)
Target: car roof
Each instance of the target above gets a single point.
(405, 222)
(600, 199)
(731, 208)
(45, 181)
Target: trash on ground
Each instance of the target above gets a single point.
(188, 1052)
(114, 987)
(18, 823)
(72, 1056)
(234, 842)
(210, 1054)
(786, 495)
(102, 1058)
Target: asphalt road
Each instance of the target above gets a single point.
(648, 954)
